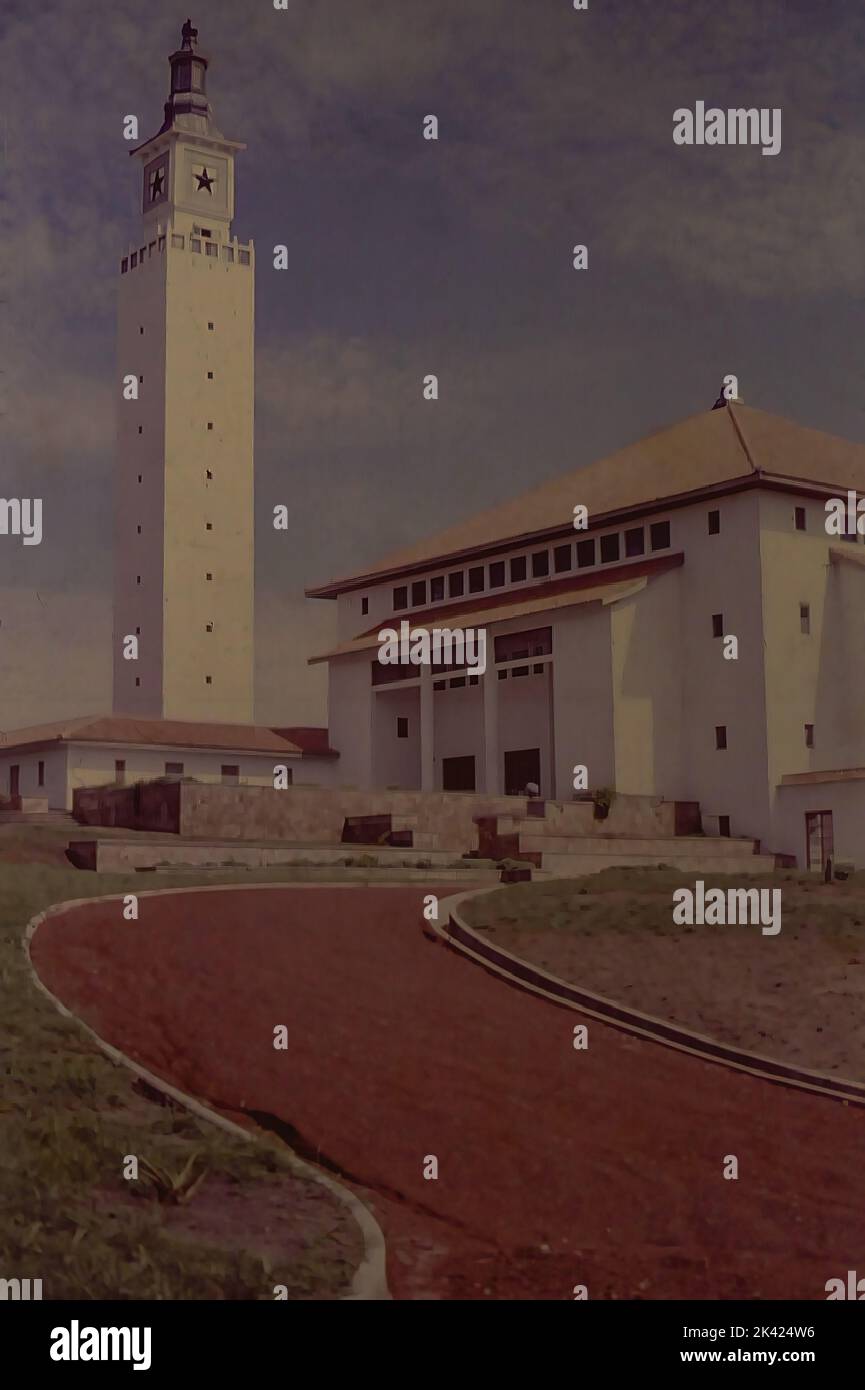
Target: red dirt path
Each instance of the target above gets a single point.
(556, 1167)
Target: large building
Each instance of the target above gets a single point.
(183, 538)
(608, 646)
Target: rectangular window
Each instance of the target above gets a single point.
(364, 606)
(724, 826)
(809, 735)
(211, 248)
(174, 769)
(401, 727)
(124, 265)
(437, 589)
(210, 376)
(476, 579)
(609, 548)
(540, 564)
(209, 577)
(418, 593)
(720, 736)
(161, 243)
(563, 559)
(497, 574)
(804, 618)
(208, 680)
(41, 774)
(209, 627)
(400, 598)
(243, 257)
(195, 244)
(585, 554)
(801, 519)
(635, 541)
(536, 641)
(230, 774)
(714, 523)
(518, 569)
(456, 584)
(133, 260)
(120, 771)
(660, 535)
(717, 624)
(228, 252)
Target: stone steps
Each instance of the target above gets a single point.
(707, 847)
(559, 865)
(38, 818)
(119, 856)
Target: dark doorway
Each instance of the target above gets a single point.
(458, 774)
(819, 838)
(14, 776)
(522, 766)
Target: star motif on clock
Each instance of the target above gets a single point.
(205, 180)
(157, 184)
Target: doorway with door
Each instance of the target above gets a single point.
(522, 765)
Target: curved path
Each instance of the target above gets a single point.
(556, 1167)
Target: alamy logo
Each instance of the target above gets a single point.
(737, 907)
(22, 516)
(438, 646)
(836, 1288)
(845, 518)
(77, 1343)
(20, 1290)
(737, 126)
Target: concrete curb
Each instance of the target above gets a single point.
(369, 1281)
(521, 973)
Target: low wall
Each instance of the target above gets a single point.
(316, 815)
(143, 806)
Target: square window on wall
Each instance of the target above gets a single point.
(585, 554)
(437, 589)
(476, 579)
(418, 593)
(609, 548)
(540, 564)
(456, 584)
(563, 559)
(400, 597)
(518, 569)
(660, 535)
(635, 541)
(497, 574)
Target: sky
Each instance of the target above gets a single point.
(410, 257)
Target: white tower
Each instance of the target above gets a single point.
(183, 535)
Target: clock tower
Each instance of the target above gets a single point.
(183, 535)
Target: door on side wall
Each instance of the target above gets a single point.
(819, 838)
(14, 779)
(458, 774)
(522, 766)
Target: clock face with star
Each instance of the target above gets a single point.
(205, 180)
(155, 182)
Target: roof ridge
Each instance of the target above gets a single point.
(740, 434)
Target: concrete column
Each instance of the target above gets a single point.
(492, 772)
(427, 731)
